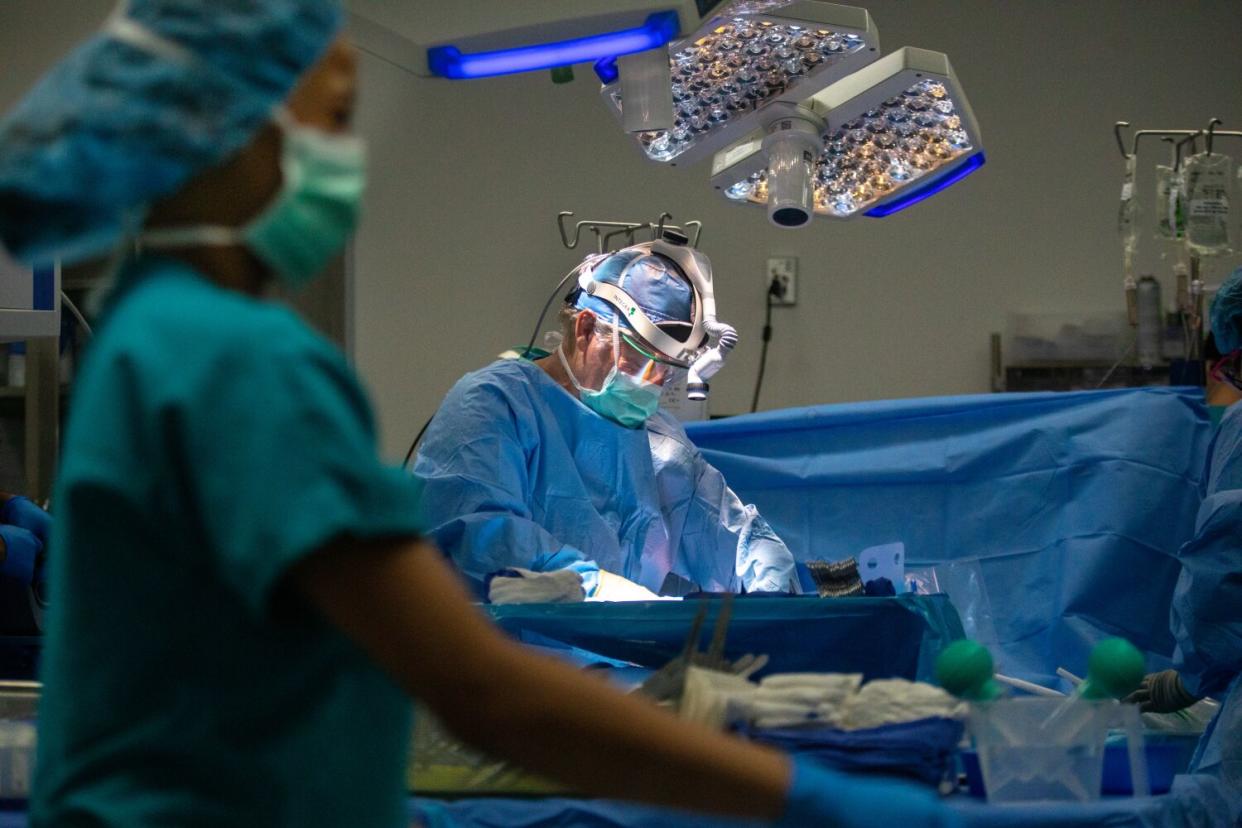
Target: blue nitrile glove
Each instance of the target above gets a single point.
(19, 511)
(820, 797)
(21, 549)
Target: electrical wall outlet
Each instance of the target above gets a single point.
(785, 271)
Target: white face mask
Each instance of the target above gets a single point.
(311, 217)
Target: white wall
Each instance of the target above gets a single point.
(459, 248)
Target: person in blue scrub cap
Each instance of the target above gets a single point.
(1207, 601)
(567, 462)
(1218, 392)
(243, 607)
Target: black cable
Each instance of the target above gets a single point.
(405, 464)
(77, 314)
(539, 322)
(525, 354)
(774, 289)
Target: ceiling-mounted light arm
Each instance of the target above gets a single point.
(448, 61)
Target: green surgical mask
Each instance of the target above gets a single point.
(622, 399)
(316, 210)
(310, 218)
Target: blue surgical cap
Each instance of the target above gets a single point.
(1227, 314)
(654, 282)
(118, 123)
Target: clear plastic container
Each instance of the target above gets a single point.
(1064, 337)
(1026, 755)
(18, 707)
(17, 756)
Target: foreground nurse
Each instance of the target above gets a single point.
(566, 463)
(242, 607)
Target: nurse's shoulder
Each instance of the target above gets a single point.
(172, 321)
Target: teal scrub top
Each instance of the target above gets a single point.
(214, 441)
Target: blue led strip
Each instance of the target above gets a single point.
(44, 288)
(929, 189)
(450, 62)
(606, 70)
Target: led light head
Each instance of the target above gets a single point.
(895, 132)
(749, 56)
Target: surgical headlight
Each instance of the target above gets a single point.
(702, 353)
(673, 350)
(887, 137)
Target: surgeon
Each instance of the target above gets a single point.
(567, 463)
(1207, 602)
(242, 604)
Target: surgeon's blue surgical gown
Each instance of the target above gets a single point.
(1207, 607)
(518, 472)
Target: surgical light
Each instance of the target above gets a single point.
(752, 55)
(790, 98)
(890, 135)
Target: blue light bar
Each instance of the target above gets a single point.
(929, 189)
(450, 62)
(606, 70)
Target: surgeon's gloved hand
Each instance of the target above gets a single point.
(522, 586)
(615, 588)
(22, 550)
(821, 797)
(1161, 692)
(21, 512)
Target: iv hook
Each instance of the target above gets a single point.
(1121, 145)
(1211, 131)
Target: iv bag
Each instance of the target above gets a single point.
(1127, 226)
(1207, 179)
(1169, 204)
(1127, 213)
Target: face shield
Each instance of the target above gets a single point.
(639, 361)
